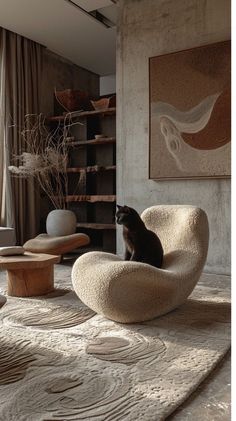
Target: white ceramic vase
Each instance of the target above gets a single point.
(61, 222)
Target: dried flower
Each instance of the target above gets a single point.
(45, 157)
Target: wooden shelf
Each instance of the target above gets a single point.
(91, 169)
(90, 198)
(101, 141)
(75, 114)
(96, 226)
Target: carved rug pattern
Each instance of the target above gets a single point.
(60, 361)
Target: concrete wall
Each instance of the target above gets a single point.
(107, 84)
(148, 28)
(61, 74)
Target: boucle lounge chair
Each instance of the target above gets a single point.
(129, 292)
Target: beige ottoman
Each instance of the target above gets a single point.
(44, 243)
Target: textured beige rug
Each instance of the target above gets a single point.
(60, 361)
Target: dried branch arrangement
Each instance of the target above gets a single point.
(45, 156)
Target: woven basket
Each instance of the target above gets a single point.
(73, 100)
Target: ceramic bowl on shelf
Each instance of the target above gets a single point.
(99, 136)
(101, 104)
(104, 103)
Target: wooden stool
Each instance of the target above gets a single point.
(29, 274)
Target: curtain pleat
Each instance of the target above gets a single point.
(21, 59)
(2, 114)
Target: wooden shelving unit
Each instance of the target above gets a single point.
(91, 198)
(91, 142)
(95, 168)
(74, 114)
(95, 226)
(92, 175)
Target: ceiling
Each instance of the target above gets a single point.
(67, 30)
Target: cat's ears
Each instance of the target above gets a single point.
(125, 208)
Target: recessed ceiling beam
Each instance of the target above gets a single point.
(94, 14)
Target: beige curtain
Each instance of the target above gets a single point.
(20, 77)
(3, 216)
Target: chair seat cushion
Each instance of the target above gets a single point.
(44, 243)
(131, 292)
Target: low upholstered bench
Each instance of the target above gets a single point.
(44, 243)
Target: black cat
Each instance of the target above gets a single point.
(142, 245)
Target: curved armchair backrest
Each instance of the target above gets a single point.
(180, 227)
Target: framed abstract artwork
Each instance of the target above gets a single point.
(190, 113)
